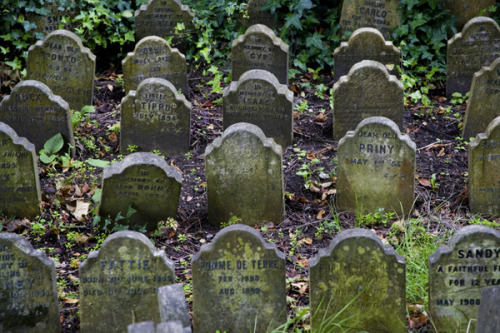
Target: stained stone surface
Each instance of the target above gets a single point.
(244, 177)
(457, 274)
(258, 98)
(464, 10)
(367, 91)
(238, 283)
(258, 16)
(153, 57)
(34, 112)
(476, 46)
(259, 48)
(20, 187)
(357, 268)
(45, 24)
(145, 182)
(119, 283)
(28, 291)
(488, 318)
(365, 44)
(151, 327)
(172, 303)
(143, 327)
(62, 63)
(376, 168)
(157, 108)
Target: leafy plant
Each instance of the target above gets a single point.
(50, 152)
(83, 114)
(458, 99)
(380, 216)
(231, 221)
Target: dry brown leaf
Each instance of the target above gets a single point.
(210, 127)
(70, 300)
(290, 196)
(110, 87)
(321, 117)
(441, 152)
(302, 200)
(81, 210)
(310, 155)
(304, 262)
(425, 182)
(320, 214)
(18, 225)
(296, 115)
(113, 137)
(440, 99)
(85, 188)
(325, 185)
(313, 188)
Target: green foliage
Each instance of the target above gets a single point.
(232, 220)
(458, 99)
(83, 114)
(119, 223)
(51, 147)
(377, 217)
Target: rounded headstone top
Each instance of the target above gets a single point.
(27, 84)
(66, 34)
(493, 129)
(22, 244)
(5, 128)
(470, 25)
(263, 29)
(163, 82)
(263, 76)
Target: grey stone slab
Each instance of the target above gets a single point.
(143, 327)
(28, 291)
(172, 303)
(238, 283)
(488, 318)
(119, 283)
(465, 10)
(45, 24)
(256, 15)
(244, 177)
(258, 98)
(170, 327)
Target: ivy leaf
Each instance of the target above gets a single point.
(294, 20)
(315, 41)
(127, 14)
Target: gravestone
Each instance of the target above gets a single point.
(45, 24)
(34, 112)
(157, 108)
(367, 91)
(258, 98)
(238, 283)
(258, 16)
(376, 168)
(244, 177)
(19, 184)
(144, 182)
(365, 44)
(153, 57)
(62, 63)
(119, 283)
(381, 15)
(172, 303)
(464, 10)
(142, 327)
(151, 327)
(484, 99)
(357, 272)
(476, 46)
(457, 274)
(28, 291)
(488, 319)
(259, 48)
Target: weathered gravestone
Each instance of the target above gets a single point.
(238, 283)
(365, 44)
(157, 108)
(381, 15)
(258, 16)
(34, 112)
(376, 168)
(464, 10)
(57, 15)
(357, 272)
(151, 327)
(62, 63)
(258, 98)
(28, 292)
(172, 303)
(488, 318)
(368, 90)
(144, 182)
(476, 46)
(19, 184)
(259, 48)
(119, 283)
(244, 177)
(457, 274)
(153, 57)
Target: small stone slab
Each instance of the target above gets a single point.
(157, 108)
(244, 177)
(488, 319)
(19, 184)
(376, 168)
(457, 274)
(357, 272)
(150, 327)
(238, 283)
(119, 283)
(365, 44)
(464, 10)
(258, 16)
(172, 303)
(143, 327)
(62, 63)
(28, 291)
(153, 57)
(259, 48)
(145, 182)
(476, 46)
(34, 112)
(381, 15)
(258, 98)
(368, 90)
(45, 24)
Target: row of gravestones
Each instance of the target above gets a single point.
(239, 284)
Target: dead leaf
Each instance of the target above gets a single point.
(189, 198)
(85, 188)
(171, 234)
(210, 127)
(321, 117)
(441, 152)
(296, 115)
(425, 182)
(18, 225)
(310, 155)
(325, 185)
(81, 210)
(113, 137)
(303, 262)
(320, 214)
(302, 200)
(70, 300)
(440, 99)
(110, 87)
(313, 188)
(308, 241)
(289, 196)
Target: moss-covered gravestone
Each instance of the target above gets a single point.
(143, 182)
(34, 112)
(119, 283)
(488, 318)
(476, 46)
(244, 177)
(358, 283)
(258, 98)
(367, 91)
(238, 283)
(172, 303)
(28, 292)
(376, 168)
(258, 16)
(457, 274)
(365, 44)
(62, 63)
(19, 184)
(57, 16)
(464, 10)
(157, 108)
(259, 48)
(153, 57)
